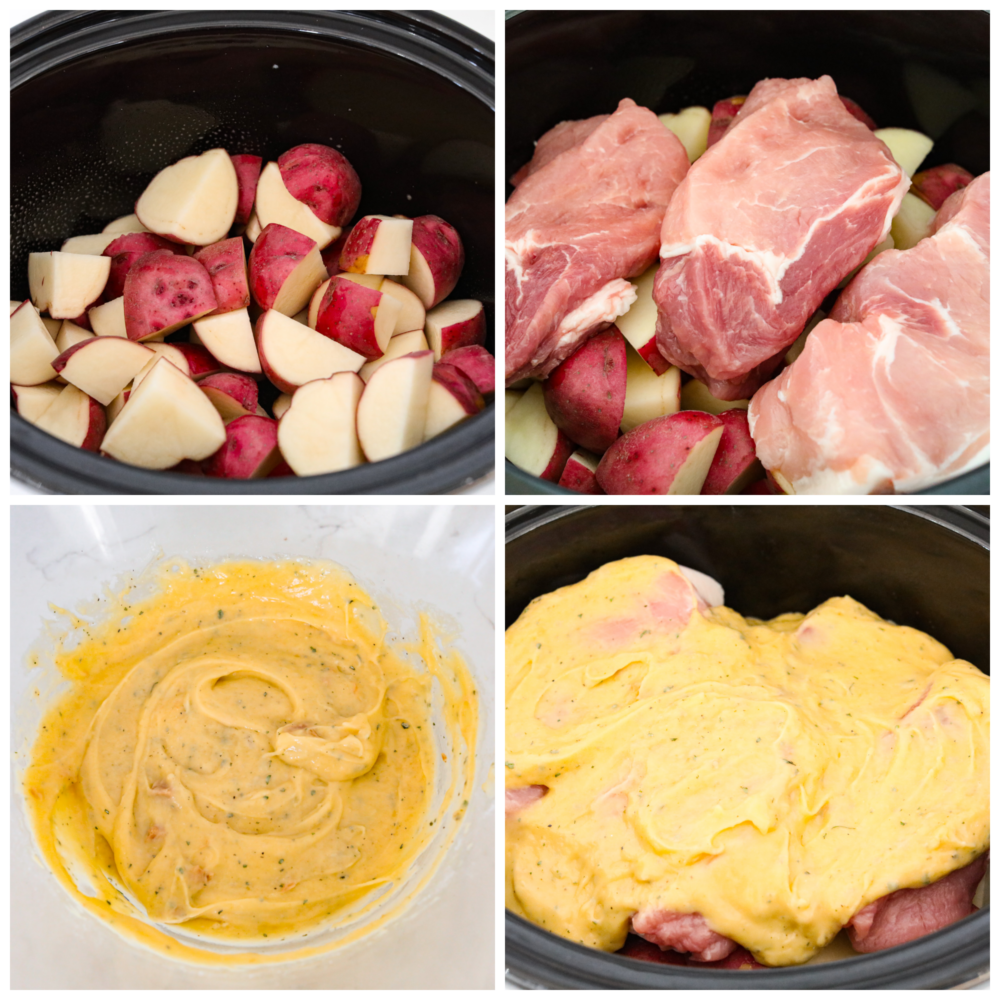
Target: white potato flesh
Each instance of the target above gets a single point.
(444, 410)
(690, 126)
(299, 286)
(390, 249)
(531, 438)
(648, 395)
(909, 149)
(318, 432)
(392, 413)
(167, 418)
(64, 284)
(103, 366)
(32, 349)
(95, 244)
(280, 405)
(33, 400)
(296, 355)
(229, 339)
(275, 204)
(912, 222)
(70, 334)
(403, 343)
(510, 398)
(412, 313)
(193, 200)
(69, 416)
(108, 319)
(125, 224)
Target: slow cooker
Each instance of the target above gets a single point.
(102, 100)
(574, 64)
(927, 567)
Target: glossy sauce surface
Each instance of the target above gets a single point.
(244, 755)
(773, 777)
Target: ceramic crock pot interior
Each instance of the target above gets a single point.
(100, 101)
(896, 64)
(927, 567)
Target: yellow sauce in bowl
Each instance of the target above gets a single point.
(774, 777)
(244, 759)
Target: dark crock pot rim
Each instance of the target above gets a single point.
(955, 956)
(974, 482)
(433, 41)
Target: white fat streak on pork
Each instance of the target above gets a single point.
(767, 221)
(891, 393)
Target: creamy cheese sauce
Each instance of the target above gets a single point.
(774, 777)
(246, 757)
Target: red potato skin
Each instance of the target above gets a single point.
(281, 469)
(858, 112)
(441, 246)
(97, 427)
(560, 455)
(241, 387)
(322, 178)
(356, 248)
(650, 353)
(247, 169)
(60, 362)
(83, 319)
(346, 314)
(460, 386)
(585, 395)
(723, 114)
(475, 362)
(579, 479)
(935, 185)
(772, 482)
(269, 373)
(763, 487)
(277, 252)
(164, 290)
(331, 255)
(465, 334)
(226, 263)
(250, 451)
(200, 360)
(735, 455)
(631, 465)
(124, 252)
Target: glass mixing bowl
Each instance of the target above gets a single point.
(406, 557)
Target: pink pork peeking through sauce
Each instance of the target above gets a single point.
(690, 786)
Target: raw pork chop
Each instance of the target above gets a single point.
(891, 393)
(578, 226)
(558, 140)
(637, 947)
(911, 913)
(682, 932)
(894, 919)
(766, 223)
